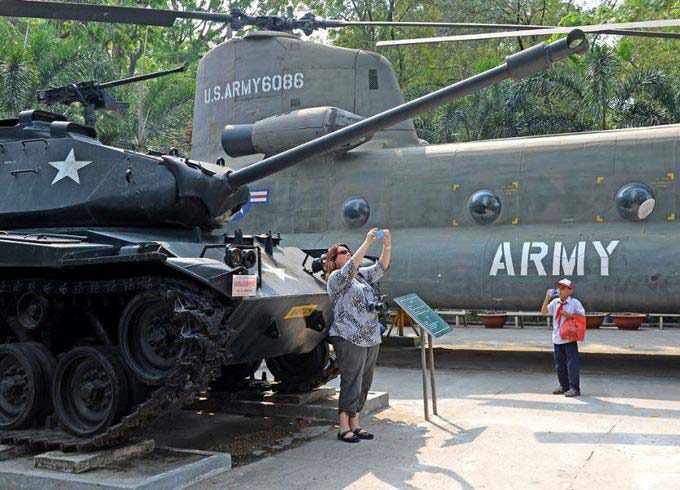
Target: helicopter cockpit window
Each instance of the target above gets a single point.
(355, 212)
(484, 207)
(635, 201)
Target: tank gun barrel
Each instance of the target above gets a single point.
(140, 78)
(516, 66)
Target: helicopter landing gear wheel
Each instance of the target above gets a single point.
(234, 375)
(300, 372)
(24, 385)
(90, 389)
(149, 337)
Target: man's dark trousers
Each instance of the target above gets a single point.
(567, 365)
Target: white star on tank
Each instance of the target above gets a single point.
(68, 168)
(280, 273)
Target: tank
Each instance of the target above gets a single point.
(120, 296)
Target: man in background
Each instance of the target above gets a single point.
(561, 308)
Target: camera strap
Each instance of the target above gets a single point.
(365, 283)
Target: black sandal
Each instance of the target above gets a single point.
(363, 433)
(354, 438)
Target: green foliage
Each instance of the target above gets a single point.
(40, 54)
(621, 82)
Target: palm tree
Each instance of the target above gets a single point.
(482, 115)
(597, 92)
(44, 60)
(16, 75)
(160, 111)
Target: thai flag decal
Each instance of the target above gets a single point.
(259, 196)
(255, 197)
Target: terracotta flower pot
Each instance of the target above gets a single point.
(628, 321)
(493, 320)
(594, 320)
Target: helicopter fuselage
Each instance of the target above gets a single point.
(548, 208)
(558, 217)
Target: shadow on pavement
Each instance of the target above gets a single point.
(460, 435)
(583, 404)
(375, 459)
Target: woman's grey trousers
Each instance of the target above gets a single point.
(356, 366)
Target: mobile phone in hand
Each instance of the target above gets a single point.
(380, 234)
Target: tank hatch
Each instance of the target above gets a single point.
(41, 124)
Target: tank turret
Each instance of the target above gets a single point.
(57, 173)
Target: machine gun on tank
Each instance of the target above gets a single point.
(94, 96)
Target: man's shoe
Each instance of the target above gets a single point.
(572, 392)
(558, 391)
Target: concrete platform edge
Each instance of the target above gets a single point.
(376, 401)
(212, 465)
(181, 477)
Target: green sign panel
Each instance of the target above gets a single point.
(423, 315)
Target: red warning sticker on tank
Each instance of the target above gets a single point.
(244, 285)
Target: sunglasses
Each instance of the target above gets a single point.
(343, 252)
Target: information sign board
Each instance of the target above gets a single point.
(423, 315)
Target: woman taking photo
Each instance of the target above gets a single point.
(355, 332)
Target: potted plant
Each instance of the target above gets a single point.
(594, 320)
(628, 321)
(493, 319)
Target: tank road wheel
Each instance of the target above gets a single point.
(33, 311)
(45, 358)
(48, 366)
(233, 375)
(90, 389)
(300, 372)
(24, 388)
(149, 337)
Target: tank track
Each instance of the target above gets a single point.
(198, 364)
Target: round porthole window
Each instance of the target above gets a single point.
(355, 212)
(635, 201)
(484, 207)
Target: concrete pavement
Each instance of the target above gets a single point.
(605, 340)
(498, 428)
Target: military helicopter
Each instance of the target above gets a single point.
(478, 225)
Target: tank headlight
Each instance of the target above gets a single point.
(233, 257)
(249, 259)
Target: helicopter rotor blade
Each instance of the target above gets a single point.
(463, 25)
(629, 28)
(102, 13)
(44, 9)
(328, 24)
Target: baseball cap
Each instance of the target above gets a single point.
(566, 283)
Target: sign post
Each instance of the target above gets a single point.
(433, 325)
